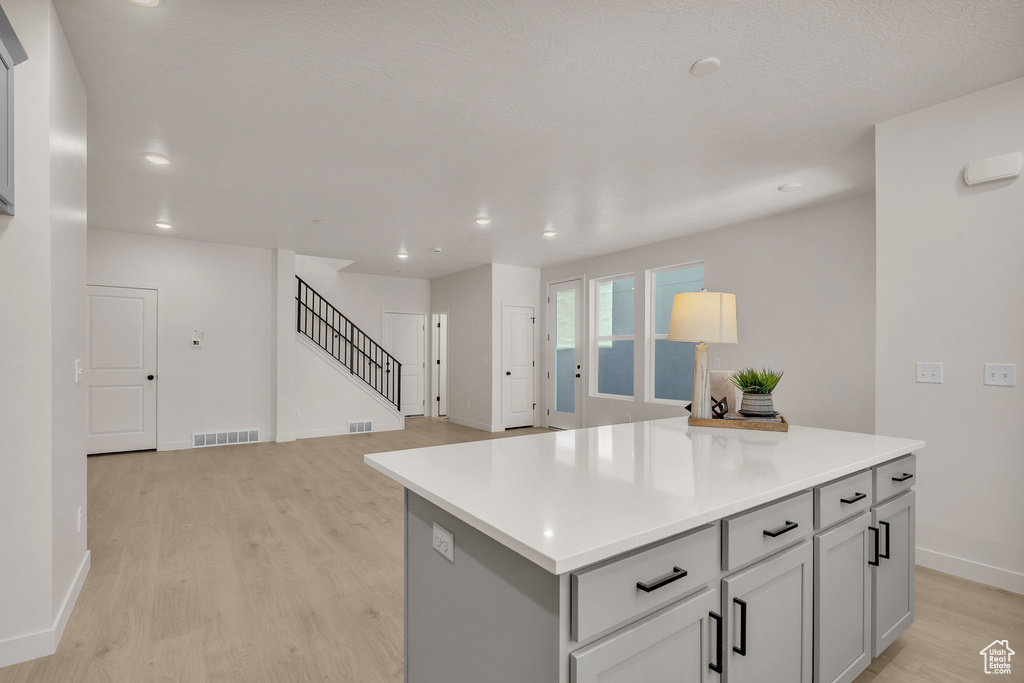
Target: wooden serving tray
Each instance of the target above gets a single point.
(742, 424)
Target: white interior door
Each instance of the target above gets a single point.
(121, 369)
(439, 325)
(565, 354)
(405, 339)
(517, 366)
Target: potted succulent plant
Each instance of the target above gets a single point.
(757, 387)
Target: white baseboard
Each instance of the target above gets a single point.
(973, 571)
(317, 433)
(285, 437)
(43, 643)
(472, 423)
(174, 445)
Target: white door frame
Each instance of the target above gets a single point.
(582, 348)
(439, 364)
(423, 338)
(532, 369)
(156, 360)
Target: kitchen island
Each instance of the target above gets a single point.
(654, 551)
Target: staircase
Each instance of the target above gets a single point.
(340, 338)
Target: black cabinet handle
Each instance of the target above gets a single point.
(674, 575)
(788, 526)
(717, 667)
(856, 497)
(874, 562)
(906, 475)
(885, 555)
(742, 649)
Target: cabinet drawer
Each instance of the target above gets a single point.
(894, 477)
(608, 595)
(752, 535)
(843, 498)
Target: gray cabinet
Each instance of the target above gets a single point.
(768, 619)
(674, 645)
(842, 600)
(892, 587)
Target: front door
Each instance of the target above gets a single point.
(565, 354)
(517, 366)
(121, 369)
(404, 338)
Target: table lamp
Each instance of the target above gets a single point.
(703, 317)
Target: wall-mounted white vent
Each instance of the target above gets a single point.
(360, 427)
(224, 438)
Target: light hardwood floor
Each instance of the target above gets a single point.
(283, 562)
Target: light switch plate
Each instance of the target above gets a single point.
(444, 542)
(1000, 375)
(929, 373)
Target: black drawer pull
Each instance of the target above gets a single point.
(874, 562)
(885, 555)
(676, 574)
(906, 475)
(742, 649)
(856, 497)
(788, 526)
(717, 667)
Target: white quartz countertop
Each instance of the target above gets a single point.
(569, 499)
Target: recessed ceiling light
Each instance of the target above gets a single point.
(482, 220)
(158, 159)
(705, 66)
(320, 221)
(402, 254)
(145, 3)
(165, 226)
(549, 233)
(790, 187)
(437, 250)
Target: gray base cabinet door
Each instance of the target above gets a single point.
(842, 601)
(768, 619)
(892, 590)
(674, 645)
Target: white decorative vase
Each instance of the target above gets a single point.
(757, 404)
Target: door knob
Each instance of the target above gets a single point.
(508, 372)
(577, 375)
(150, 377)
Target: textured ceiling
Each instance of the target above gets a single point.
(397, 121)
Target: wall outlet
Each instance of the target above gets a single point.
(716, 363)
(79, 519)
(1000, 375)
(79, 369)
(929, 373)
(296, 413)
(484, 360)
(629, 418)
(444, 542)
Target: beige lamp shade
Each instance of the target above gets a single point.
(703, 317)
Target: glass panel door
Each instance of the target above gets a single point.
(565, 354)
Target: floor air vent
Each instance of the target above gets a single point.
(224, 438)
(360, 427)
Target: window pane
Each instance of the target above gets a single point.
(565, 351)
(666, 285)
(615, 368)
(673, 370)
(615, 308)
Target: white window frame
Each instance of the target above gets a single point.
(594, 340)
(650, 337)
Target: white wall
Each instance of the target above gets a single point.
(951, 289)
(42, 296)
(514, 286)
(805, 288)
(68, 312)
(364, 298)
(466, 296)
(227, 292)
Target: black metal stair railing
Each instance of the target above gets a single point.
(341, 338)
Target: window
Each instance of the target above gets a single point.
(670, 363)
(613, 336)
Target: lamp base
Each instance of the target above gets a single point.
(701, 384)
